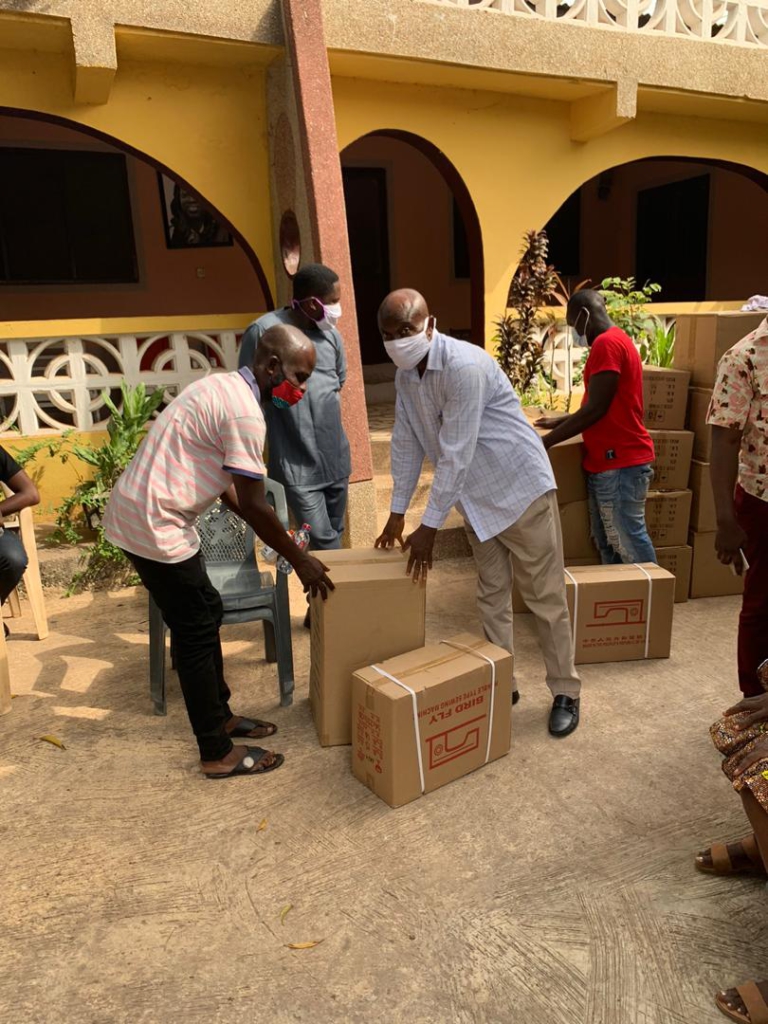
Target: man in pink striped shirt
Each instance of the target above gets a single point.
(208, 443)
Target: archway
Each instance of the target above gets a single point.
(682, 222)
(170, 276)
(412, 223)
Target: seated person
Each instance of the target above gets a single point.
(739, 737)
(13, 557)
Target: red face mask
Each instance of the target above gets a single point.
(285, 394)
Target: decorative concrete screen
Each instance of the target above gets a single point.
(733, 21)
(55, 384)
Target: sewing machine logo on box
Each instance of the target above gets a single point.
(617, 613)
(452, 743)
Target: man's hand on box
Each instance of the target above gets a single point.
(419, 545)
(313, 575)
(392, 533)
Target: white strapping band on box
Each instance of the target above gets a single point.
(415, 705)
(575, 625)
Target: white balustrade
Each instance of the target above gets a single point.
(49, 385)
(743, 22)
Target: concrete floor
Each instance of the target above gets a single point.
(553, 887)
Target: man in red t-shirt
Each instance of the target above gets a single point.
(618, 449)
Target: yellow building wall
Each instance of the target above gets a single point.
(208, 125)
(516, 156)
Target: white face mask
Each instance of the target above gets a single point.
(407, 353)
(332, 316)
(580, 340)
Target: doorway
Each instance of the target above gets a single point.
(365, 195)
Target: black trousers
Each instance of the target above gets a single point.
(193, 611)
(13, 563)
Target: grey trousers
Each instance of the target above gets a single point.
(530, 553)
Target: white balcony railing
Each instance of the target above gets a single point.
(744, 22)
(50, 385)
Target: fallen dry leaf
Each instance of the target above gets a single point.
(304, 945)
(285, 912)
(53, 740)
(262, 825)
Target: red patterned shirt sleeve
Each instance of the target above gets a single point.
(734, 392)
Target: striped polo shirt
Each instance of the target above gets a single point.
(214, 429)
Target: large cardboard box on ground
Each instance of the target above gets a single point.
(459, 722)
(674, 450)
(698, 406)
(665, 397)
(703, 517)
(363, 556)
(577, 539)
(375, 612)
(709, 577)
(677, 560)
(667, 516)
(519, 607)
(702, 339)
(620, 612)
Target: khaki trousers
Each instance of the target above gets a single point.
(530, 553)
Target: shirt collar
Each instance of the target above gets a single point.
(247, 374)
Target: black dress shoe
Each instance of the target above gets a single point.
(564, 716)
(515, 697)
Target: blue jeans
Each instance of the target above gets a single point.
(324, 508)
(13, 562)
(617, 514)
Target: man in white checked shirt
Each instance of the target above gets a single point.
(456, 407)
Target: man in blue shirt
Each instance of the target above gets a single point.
(308, 448)
(456, 408)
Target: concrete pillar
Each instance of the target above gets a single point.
(303, 126)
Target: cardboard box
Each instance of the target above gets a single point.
(667, 516)
(619, 614)
(519, 607)
(665, 397)
(566, 459)
(677, 560)
(674, 450)
(703, 517)
(698, 406)
(363, 556)
(452, 727)
(709, 577)
(702, 339)
(577, 540)
(374, 613)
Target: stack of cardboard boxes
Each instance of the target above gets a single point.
(668, 508)
(701, 340)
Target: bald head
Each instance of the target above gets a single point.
(403, 305)
(283, 352)
(587, 313)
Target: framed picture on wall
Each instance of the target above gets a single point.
(189, 224)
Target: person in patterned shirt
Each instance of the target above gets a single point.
(738, 414)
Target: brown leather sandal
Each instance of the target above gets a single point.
(722, 863)
(754, 1001)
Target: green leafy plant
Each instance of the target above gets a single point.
(627, 305)
(518, 349)
(658, 348)
(83, 509)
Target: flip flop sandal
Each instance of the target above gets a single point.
(752, 997)
(249, 764)
(723, 865)
(249, 725)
